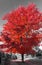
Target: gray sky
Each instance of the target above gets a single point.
(8, 5)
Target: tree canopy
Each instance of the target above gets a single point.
(20, 33)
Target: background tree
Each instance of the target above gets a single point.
(20, 33)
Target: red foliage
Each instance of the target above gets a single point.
(18, 31)
(0, 38)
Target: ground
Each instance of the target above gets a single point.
(28, 61)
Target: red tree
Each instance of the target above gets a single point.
(20, 33)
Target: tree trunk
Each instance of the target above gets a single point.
(0, 60)
(22, 57)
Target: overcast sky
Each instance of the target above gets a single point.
(8, 5)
